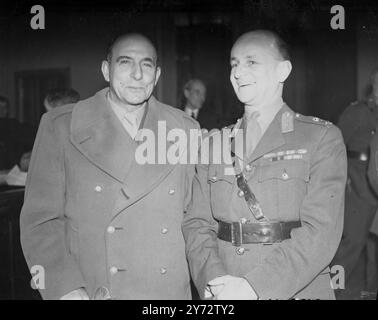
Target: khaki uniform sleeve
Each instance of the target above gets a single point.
(295, 262)
(42, 222)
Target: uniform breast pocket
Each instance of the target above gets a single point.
(221, 186)
(288, 180)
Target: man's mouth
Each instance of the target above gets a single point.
(243, 85)
(135, 88)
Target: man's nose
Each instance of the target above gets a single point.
(237, 72)
(137, 72)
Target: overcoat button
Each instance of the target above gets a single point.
(248, 167)
(163, 270)
(285, 176)
(214, 178)
(171, 191)
(164, 230)
(240, 193)
(111, 229)
(98, 189)
(113, 270)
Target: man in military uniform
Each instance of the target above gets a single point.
(357, 123)
(267, 225)
(102, 225)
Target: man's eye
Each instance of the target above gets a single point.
(124, 61)
(251, 62)
(233, 65)
(148, 65)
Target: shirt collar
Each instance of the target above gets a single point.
(123, 113)
(267, 113)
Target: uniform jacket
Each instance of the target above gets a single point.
(93, 217)
(373, 175)
(297, 172)
(357, 124)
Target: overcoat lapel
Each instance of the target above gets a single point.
(98, 134)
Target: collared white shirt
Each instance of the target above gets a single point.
(130, 120)
(192, 112)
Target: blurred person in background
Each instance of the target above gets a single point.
(358, 124)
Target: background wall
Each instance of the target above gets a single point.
(330, 67)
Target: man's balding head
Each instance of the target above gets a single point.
(259, 67)
(131, 70)
(269, 39)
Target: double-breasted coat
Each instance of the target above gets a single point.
(94, 218)
(297, 172)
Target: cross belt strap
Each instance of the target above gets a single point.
(262, 232)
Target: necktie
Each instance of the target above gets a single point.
(253, 133)
(132, 124)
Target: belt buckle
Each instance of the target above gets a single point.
(236, 234)
(271, 232)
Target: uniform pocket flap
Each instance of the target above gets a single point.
(220, 173)
(285, 170)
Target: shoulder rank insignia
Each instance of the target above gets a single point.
(287, 123)
(314, 120)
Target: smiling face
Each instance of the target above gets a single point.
(132, 72)
(257, 70)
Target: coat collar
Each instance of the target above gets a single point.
(99, 135)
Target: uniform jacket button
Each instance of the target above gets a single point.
(98, 189)
(240, 193)
(214, 178)
(111, 229)
(240, 251)
(285, 176)
(248, 167)
(243, 220)
(163, 270)
(164, 230)
(171, 191)
(113, 270)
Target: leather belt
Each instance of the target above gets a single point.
(262, 232)
(362, 156)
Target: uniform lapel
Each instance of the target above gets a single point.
(100, 137)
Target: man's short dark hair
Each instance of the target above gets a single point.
(60, 97)
(282, 46)
(109, 52)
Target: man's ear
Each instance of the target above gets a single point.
(283, 70)
(158, 72)
(105, 70)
